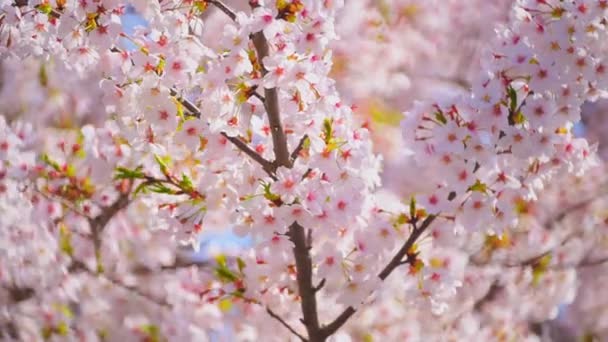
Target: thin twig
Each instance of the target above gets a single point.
(241, 145)
(262, 98)
(99, 223)
(285, 324)
(80, 266)
(332, 327)
(191, 107)
(194, 111)
(296, 152)
(224, 8)
(320, 285)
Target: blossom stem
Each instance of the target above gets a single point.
(285, 324)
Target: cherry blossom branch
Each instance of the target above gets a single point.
(270, 98)
(194, 111)
(395, 262)
(296, 152)
(297, 233)
(493, 291)
(271, 104)
(177, 265)
(575, 207)
(301, 252)
(241, 145)
(80, 266)
(285, 324)
(224, 8)
(191, 107)
(99, 223)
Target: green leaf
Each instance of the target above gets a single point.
(65, 310)
(402, 219)
(479, 187)
(163, 163)
(62, 329)
(413, 207)
(200, 5)
(269, 195)
(512, 94)
(125, 173)
(225, 274)
(241, 264)
(152, 332)
(327, 131)
(186, 183)
(515, 115)
(221, 260)
(47, 160)
(65, 240)
(100, 269)
(43, 76)
(439, 116)
(518, 118)
(539, 268)
(45, 8)
(306, 144)
(160, 188)
(143, 188)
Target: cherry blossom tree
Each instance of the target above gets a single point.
(118, 150)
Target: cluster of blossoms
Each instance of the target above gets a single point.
(118, 150)
(501, 144)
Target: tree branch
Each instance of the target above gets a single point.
(224, 8)
(306, 289)
(296, 152)
(241, 145)
(285, 324)
(271, 104)
(79, 266)
(99, 223)
(416, 233)
(493, 291)
(332, 327)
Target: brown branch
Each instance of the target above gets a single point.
(191, 107)
(224, 8)
(241, 145)
(296, 152)
(271, 104)
(260, 97)
(19, 294)
(549, 224)
(416, 233)
(285, 324)
(301, 252)
(177, 265)
(80, 266)
(493, 291)
(395, 262)
(98, 224)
